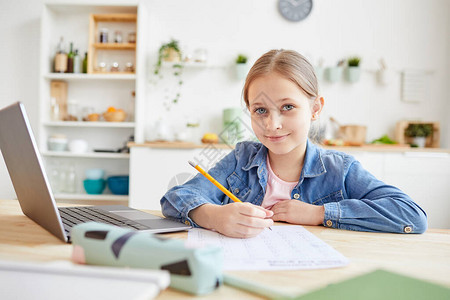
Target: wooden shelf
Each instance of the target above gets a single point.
(115, 46)
(95, 47)
(132, 18)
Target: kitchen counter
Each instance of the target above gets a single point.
(365, 148)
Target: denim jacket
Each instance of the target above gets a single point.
(353, 198)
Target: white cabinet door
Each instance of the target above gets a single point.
(371, 161)
(153, 171)
(426, 178)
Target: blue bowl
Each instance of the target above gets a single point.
(94, 186)
(119, 184)
(94, 174)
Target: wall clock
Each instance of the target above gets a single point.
(295, 10)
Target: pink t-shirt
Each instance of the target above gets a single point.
(277, 189)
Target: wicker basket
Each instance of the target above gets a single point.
(115, 116)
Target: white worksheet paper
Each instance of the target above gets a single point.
(282, 248)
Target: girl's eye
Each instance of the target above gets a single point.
(288, 107)
(260, 111)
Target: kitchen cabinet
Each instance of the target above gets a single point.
(424, 175)
(426, 178)
(154, 170)
(92, 92)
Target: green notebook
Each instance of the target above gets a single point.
(380, 285)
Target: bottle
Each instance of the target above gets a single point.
(62, 178)
(76, 62)
(70, 59)
(54, 113)
(85, 62)
(60, 58)
(55, 179)
(71, 180)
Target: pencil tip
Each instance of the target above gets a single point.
(191, 163)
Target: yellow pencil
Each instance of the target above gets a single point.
(215, 182)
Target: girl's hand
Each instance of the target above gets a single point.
(298, 212)
(238, 220)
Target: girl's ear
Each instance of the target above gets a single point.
(317, 108)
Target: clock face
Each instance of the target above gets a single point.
(295, 10)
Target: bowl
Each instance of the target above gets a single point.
(78, 146)
(94, 174)
(57, 144)
(115, 116)
(119, 184)
(94, 186)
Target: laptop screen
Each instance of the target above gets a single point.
(25, 167)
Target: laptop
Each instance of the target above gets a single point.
(25, 167)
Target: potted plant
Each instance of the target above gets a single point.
(241, 66)
(353, 72)
(419, 133)
(319, 70)
(170, 52)
(334, 74)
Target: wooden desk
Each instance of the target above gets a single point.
(425, 256)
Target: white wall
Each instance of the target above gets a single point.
(407, 33)
(19, 65)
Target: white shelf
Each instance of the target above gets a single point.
(73, 76)
(101, 197)
(87, 155)
(102, 124)
(193, 65)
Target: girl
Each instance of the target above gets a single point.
(286, 177)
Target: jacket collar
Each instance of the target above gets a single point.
(258, 159)
(313, 165)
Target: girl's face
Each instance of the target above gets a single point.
(280, 112)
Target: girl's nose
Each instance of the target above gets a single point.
(274, 122)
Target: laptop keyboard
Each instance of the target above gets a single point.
(72, 216)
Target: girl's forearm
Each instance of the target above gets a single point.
(204, 215)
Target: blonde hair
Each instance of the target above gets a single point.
(289, 64)
(294, 67)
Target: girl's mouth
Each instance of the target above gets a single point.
(277, 138)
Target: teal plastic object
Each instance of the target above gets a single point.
(194, 270)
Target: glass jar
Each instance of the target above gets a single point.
(132, 37)
(201, 55)
(73, 110)
(118, 36)
(114, 67)
(103, 36)
(129, 67)
(101, 67)
(71, 180)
